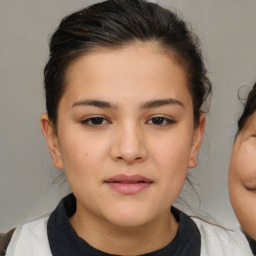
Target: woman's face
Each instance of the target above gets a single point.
(126, 134)
(242, 177)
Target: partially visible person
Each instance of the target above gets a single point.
(242, 170)
(125, 93)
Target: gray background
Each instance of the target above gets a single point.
(227, 32)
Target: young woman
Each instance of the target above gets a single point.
(242, 171)
(125, 89)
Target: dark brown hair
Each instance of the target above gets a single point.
(249, 109)
(115, 24)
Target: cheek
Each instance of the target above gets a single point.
(243, 174)
(81, 154)
(83, 159)
(172, 151)
(171, 156)
(243, 163)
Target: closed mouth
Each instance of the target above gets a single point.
(128, 179)
(128, 185)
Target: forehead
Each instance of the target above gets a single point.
(144, 67)
(248, 128)
(250, 122)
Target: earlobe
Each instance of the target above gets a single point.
(197, 140)
(51, 138)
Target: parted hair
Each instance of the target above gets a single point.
(118, 23)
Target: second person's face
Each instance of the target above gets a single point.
(242, 177)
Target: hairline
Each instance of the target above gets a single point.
(176, 57)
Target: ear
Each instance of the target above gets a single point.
(197, 140)
(51, 138)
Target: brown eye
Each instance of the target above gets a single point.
(94, 121)
(97, 120)
(160, 121)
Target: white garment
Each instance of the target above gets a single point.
(216, 241)
(30, 239)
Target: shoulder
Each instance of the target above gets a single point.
(217, 240)
(30, 238)
(252, 243)
(5, 239)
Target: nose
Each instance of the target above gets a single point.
(129, 145)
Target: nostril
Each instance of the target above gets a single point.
(129, 159)
(138, 158)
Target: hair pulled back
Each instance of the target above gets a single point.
(249, 109)
(115, 24)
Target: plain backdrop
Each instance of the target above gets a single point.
(227, 33)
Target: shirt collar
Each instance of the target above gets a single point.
(64, 241)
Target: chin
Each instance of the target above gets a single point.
(129, 222)
(127, 217)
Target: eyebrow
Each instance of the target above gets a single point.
(95, 103)
(160, 103)
(146, 105)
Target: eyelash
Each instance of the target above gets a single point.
(89, 121)
(163, 121)
(251, 189)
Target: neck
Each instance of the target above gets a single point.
(114, 239)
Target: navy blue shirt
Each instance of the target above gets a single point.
(64, 241)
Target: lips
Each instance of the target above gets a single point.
(128, 185)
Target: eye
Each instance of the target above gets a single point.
(250, 184)
(252, 189)
(160, 121)
(95, 121)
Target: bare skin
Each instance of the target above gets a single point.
(128, 112)
(242, 177)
